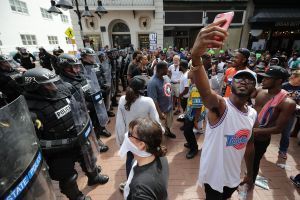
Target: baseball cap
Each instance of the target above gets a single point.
(162, 53)
(137, 83)
(260, 67)
(244, 51)
(275, 72)
(246, 72)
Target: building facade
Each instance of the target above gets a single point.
(184, 19)
(275, 25)
(127, 22)
(26, 23)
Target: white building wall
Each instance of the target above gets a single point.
(12, 24)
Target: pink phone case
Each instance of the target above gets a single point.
(228, 16)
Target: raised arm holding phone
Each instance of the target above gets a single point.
(228, 136)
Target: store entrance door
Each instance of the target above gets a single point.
(121, 40)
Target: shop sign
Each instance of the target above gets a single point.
(153, 41)
(288, 24)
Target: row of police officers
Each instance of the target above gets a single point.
(69, 113)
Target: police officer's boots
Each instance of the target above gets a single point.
(96, 178)
(70, 188)
(105, 132)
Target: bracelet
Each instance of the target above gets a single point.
(195, 68)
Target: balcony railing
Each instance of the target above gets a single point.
(114, 3)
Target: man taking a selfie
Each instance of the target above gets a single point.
(228, 134)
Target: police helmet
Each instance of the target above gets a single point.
(7, 63)
(36, 79)
(4, 58)
(87, 51)
(67, 60)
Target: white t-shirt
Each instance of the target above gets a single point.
(184, 82)
(142, 107)
(224, 148)
(175, 74)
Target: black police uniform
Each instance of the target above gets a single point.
(114, 86)
(46, 59)
(79, 82)
(8, 80)
(25, 60)
(58, 136)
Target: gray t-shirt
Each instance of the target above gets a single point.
(150, 181)
(161, 92)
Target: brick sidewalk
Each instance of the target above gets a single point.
(184, 173)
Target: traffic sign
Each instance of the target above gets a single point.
(69, 33)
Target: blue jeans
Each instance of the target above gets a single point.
(285, 135)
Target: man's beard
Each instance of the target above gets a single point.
(242, 95)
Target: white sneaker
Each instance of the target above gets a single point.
(122, 186)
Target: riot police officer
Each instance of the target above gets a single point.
(71, 71)
(45, 58)
(106, 68)
(112, 56)
(88, 58)
(10, 72)
(56, 53)
(64, 130)
(25, 58)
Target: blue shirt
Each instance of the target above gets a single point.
(160, 91)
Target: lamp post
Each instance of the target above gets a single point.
(66, 5)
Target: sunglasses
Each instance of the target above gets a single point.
(130, 135)
(247, 81)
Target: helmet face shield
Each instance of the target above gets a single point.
(73, 70)
(7, 64)
(49, 90)
(89, 59)
(54, 90)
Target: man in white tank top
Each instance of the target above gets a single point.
(228, 136)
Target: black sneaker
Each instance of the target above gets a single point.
(105, 133)
(103, 148)
(295, 180)
(170, 134)
(99, 179)
(186, 145)
(191, 154)
(110, 114)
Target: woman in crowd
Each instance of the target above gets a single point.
(149, 175)
(141, 69)
(132, 106)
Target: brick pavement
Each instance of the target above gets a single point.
(184, 173)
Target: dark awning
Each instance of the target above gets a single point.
(275, 15)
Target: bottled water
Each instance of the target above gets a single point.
(243, 190)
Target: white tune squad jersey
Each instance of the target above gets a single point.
(224, 147)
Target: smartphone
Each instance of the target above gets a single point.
(228, 16)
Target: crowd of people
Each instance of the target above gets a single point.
(236, 98)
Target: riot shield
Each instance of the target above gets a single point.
(86, 136)
(107, 71)
(96, 95)
(23, 172)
